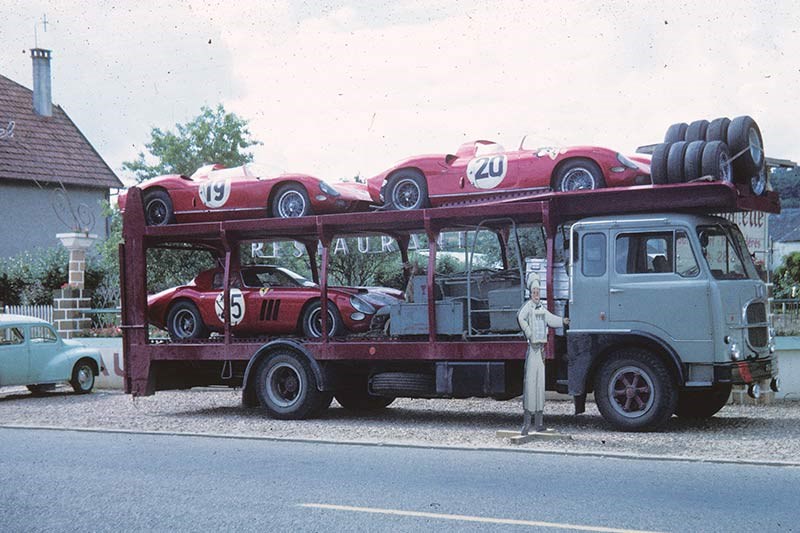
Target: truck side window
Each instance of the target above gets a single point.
(685, 262)
(644, 253)
(593, 254)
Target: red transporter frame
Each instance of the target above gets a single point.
(150, 367)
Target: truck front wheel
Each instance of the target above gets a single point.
(634, 390)
(701, 404)
(287, 388)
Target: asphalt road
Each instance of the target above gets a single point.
(67, 480)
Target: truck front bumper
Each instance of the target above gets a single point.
(747, 371)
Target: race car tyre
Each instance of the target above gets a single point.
(82, 377)
(658, 164)
(290, 201)
(702, 403)
(358, 398)
(675, 162)
(693, 160)
(676, 132)
(578, 175)
(287, 388)
(185, 322)
(404, 384)
(758, 183)
(158, 208)
(718, 130)
(696, 131)
(634, 390)
(312, 321)
(743, 134)
(406, 190)
(716, 161)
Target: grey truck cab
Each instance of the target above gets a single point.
(667, 313)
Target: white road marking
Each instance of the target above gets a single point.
(465, 518)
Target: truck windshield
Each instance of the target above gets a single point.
(725, 251)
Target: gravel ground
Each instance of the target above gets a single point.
(744, 433)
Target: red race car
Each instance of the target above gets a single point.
(265, 300)
(484, 170)
(214, 193)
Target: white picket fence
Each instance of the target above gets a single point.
(45, 312)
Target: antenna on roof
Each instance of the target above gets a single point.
(36, 31)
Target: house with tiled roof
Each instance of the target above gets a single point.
(784, 230)
(52, 180)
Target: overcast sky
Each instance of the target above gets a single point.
(336, 89)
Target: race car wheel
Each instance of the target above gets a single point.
(758, 183)
(82, 377)
(578, 175)
(184, 322)
(716, 161)
(406, 190)
(702, 403)
(312, 321)
(718, 130)
(743, 134)
(675, 162)
(696, 131)
(287, 387)
(658, 164)
(158, 208)
(634, 390)
(693, 160)
(676, 132)
(291, 200)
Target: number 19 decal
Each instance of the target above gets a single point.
(215, 193)
(237, 306)
(487, 172)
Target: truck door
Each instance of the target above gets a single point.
(589, 292)
(656, 286)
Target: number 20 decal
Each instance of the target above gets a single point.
(215, 193)
(237, 306)
(487, 172)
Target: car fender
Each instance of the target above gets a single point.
(59, 368)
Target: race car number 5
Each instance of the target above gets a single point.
(215, 193)
(487, 172)
(237, 306)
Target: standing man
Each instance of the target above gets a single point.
(534, 318)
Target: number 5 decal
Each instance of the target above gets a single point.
(487, 172)
(237, 306)
(215, 193)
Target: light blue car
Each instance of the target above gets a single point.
(33, 354)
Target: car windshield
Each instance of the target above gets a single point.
(484, 149)
(274, 277)
(725, 251)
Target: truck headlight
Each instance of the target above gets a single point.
(361, 305)
(735, 353)
(328, 189)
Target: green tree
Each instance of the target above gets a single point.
(787, 183)
(214, 136)
(787, 277)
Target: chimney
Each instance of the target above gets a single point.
(42, 94)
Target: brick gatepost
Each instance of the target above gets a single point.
(70, 301)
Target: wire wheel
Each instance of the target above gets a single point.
(292, 203)
(578, 179)
(406, 194)
(631, 392)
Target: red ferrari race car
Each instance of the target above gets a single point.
(484, 170)
(215, 192)
(265, 300)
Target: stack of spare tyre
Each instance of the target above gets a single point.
(723, 149)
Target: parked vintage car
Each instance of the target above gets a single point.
(483, 170)
(32, 353)
(248, 191)
(265, 300)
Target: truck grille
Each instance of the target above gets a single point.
(756, 315)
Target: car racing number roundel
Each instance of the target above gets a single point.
(237, 306)
(487, 172)
(214, 193)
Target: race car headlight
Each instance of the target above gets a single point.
(328, 189)
(627, 162)
(359, 304)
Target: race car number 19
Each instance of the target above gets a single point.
(215, 193)
(487, 172)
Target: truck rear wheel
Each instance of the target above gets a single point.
(287, 388)
(702, 403)
(634, 390)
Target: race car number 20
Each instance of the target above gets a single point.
(487, 172)
(237, 306)
(215, 193)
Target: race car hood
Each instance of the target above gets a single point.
(353, 191)
(377, 296)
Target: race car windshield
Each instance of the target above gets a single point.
(484, 149)
(273, 277)
(725, 251)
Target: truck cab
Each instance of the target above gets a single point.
(663, 303)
